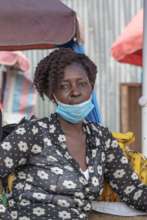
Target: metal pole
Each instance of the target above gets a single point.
(144, 107)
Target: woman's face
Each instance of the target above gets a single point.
(75, 86)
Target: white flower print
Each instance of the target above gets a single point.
(134, 176)
(63, 144)
(137, 194)
(27, 186)
(61, 138)
(94, 153)
(36, 149)
(38, 211)
(124, 160)
(20, 131)
(114, 144)
(79, 202)
(6, 146)
(97, 141)
(87, 207)
(83, 180)
(59, 153)
(87, 160)
(103, 156)
(52, 128)
(11, 203)
(69, 184)
(95, 128)
(113, 185)
(67, 155)
(57, 170)
(86, 129)
(23, 146)
(24, 202)
(90, 169)
(119, 173)
(51, 158)
(24, 218)
(99, 169)
(110, 158)
(79, 195)
(39, 196)
(63, 203)
(47, 141)
(53, 188)
(129, 189)
(22, 161)
(101, 191)
(87, 189)
(68, 168)
(8, 162)
(51, 205)
(95, 181)
(64, 215)
(42, 174)
(14, 214)
(21, 175)
(42, 124)
(82, 216)
(2, 208)
(34, 130)
(19, 186)
(29, 178)
(91, 197)
(107, 143)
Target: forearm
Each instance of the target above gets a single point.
(123, 179)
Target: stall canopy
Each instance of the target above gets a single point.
(17, 94)
(35, 24)
(131, 47)
(128, 47)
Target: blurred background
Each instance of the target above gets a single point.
(102, 21)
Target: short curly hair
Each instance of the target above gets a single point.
(51, 69)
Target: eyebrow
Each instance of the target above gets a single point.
(78, 79)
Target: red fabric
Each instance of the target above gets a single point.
(128, 47)
(35, 24)
(10, 58)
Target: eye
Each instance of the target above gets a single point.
(64, 87)
(83, 83)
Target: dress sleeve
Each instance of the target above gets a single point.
(4, 213)
(15, 148)
(122, 178)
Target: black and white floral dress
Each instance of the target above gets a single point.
(49, 183)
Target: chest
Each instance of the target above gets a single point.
(76, 146)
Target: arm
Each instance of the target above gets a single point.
(122, 178)
(15, 148)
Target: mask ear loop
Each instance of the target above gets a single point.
(55, 100)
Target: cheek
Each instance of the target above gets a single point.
(88, 92)
(62, 96)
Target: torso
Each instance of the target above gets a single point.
(76, 145)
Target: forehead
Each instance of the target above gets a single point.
(75, 71)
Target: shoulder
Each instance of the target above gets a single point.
(99, 129)
(45, 122)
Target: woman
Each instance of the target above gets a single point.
(60, 162)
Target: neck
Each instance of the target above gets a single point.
(69, 127)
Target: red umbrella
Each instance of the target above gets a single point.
(35, 24)
(128, 47)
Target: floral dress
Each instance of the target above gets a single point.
(49, 183)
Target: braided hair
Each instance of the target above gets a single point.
(51, 69)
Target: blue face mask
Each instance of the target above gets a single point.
(74, 113)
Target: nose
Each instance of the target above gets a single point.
(75, 91)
